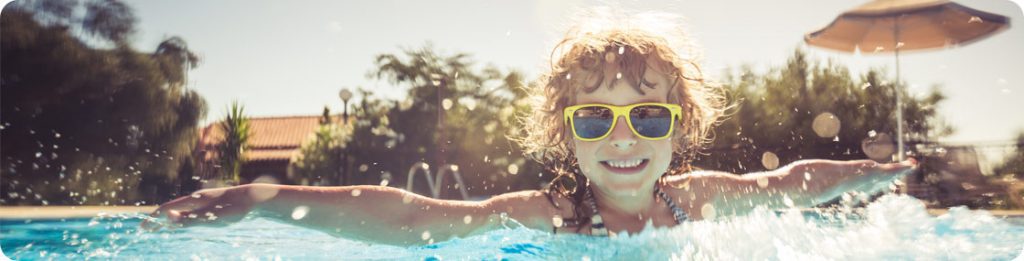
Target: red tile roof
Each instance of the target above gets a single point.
(270, 138)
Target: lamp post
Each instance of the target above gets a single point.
(345, 95)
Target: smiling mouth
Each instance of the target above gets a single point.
(625, 166)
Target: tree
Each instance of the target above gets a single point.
(455, 113)
(320, 158)
(1014, 163)
(774, 122)
(231, 151)
(90, 125)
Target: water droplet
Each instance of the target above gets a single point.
(384, 182)
(425, 235)
(300, 212)
(557, 221)
(762, 182)
(872, 133)
(807, 176)
(446, 103)
(826, 125)
(568, 76)
(787, 201)
(513, 169)
(470, 103)
(975, 19)
(262, 192)
(622, 49)
(618, 75)
(707, 211)
(879, 147)
(407, 198)
(266, 179)
(467, 219)
(769, 160)
(363, 168)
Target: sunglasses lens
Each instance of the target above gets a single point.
(592, 122)
(651, 121)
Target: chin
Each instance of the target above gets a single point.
(625, 185)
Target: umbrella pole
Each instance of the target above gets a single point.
(896, 86)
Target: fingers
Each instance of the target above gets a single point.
(174, 209)
(210, 215)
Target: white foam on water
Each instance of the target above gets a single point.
(892, 227)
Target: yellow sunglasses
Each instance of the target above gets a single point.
(651, 121)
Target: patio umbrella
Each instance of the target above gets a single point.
(884, 26)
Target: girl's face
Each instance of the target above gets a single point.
(598, 159)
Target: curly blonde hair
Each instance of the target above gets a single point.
(633, 44)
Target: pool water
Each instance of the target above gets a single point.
(893, 227)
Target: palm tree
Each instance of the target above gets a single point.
(236, 136)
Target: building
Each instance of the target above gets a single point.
(273, 143)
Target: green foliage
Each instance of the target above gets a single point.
(236, 137)
(391, 136)
(82, 125)
(775, 112)
(109, 21)
(320, 158)
(1014, 163)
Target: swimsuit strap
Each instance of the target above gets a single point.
(677, 212)
(597, 227)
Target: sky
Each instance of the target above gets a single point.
(293, 57)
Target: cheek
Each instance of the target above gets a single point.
(663, 151)
(584, 150)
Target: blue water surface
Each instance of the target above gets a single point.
(893, 227)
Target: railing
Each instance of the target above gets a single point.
(435, 186)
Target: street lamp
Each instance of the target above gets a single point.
(345, 95)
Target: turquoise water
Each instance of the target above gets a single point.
(893, 227)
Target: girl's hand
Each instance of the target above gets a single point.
(884, 174)
(214, 207)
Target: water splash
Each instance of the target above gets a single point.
(893, 227)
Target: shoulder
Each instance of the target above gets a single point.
(533, 208)
(700, 179)
(697, 192)
(530, 200)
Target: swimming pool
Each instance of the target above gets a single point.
(893, 227)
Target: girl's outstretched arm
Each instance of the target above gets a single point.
(368, 213)
(803, 183)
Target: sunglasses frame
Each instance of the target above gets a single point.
(675, 109)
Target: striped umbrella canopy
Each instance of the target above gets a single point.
(893, 26)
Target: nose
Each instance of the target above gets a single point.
(622, 137)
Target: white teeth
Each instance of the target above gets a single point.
(624, 163)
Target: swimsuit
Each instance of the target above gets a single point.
(597, 227)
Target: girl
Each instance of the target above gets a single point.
(618, 118)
